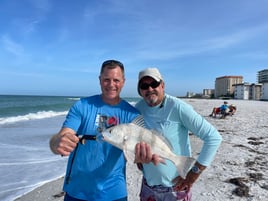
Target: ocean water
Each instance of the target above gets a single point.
(26, 125)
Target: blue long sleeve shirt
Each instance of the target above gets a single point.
(174, 119)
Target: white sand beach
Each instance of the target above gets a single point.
(239, 171)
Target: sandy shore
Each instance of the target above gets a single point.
(239, 171)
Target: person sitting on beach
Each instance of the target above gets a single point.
(219, 110)
(231, 110)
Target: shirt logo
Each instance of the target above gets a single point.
(103, 122)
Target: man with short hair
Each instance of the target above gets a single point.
(96, 170)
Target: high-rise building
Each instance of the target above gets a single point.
(224, 85)
(263, 76)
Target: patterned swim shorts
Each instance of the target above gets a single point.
(161, 193)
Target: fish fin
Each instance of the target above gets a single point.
(128, 154)
(139, 121)
(183, 164)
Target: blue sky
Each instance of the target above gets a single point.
(56, 47)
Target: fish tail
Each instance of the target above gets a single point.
(183, 165)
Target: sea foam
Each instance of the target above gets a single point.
(31, 116)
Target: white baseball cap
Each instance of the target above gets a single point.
(150, 72)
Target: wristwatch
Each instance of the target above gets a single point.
(196, 170)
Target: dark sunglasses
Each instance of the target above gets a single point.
(153, 84)
(112, 63)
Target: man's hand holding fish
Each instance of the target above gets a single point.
(143, 154)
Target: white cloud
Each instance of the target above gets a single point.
(12, 47)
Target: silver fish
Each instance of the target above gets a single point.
(126, 136)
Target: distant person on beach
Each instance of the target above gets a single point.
(231, 111)
(95, 170)
(174, 119)
(222, 110)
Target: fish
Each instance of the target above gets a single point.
(126, 136)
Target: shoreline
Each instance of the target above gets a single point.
(51, 190)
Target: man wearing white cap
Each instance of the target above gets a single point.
(173, 118)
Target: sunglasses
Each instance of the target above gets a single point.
(112, 63)
(153, 84)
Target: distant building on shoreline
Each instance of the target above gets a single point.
(227, 87)
(258, 91)
(263, 79)
(262, 76)
(208, 93)
(247, 91)
(224, 86)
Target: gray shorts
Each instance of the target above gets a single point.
(161, 193)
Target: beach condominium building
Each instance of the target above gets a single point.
(262, 77)
(208, 93)
(255, 91)
(241, 91)
(264, 94)
(246, 91)
(224, 85)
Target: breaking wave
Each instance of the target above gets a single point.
(31, 116)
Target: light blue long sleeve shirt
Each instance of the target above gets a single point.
(174, 119)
